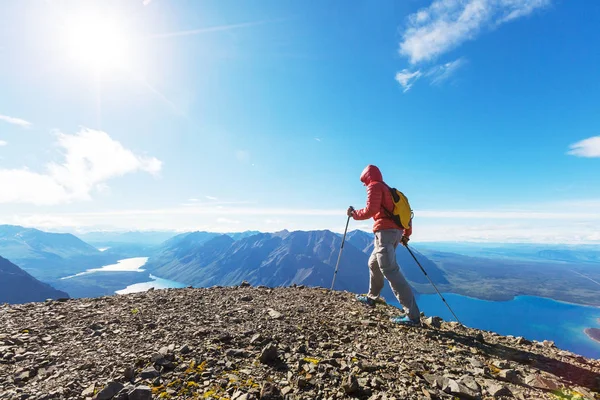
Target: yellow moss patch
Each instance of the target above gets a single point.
(164, 395)
(191, 384)
(158, 389)
(566, 394)
(176, 382)
(312, 360)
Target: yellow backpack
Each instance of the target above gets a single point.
(402, 214)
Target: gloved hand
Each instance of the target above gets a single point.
(404, 240)
(350, 211)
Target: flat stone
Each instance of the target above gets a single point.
(109, 391)
(497, 390)
(236, 353)
(149, 373)
(141, 393)
(89, 392)
(274, 314)
(509, 375)
(540, 382)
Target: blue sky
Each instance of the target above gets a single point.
(227, 116)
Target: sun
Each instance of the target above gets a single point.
(97, 42)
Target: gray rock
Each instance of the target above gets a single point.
(256, 339)
(274, 314)
(286, 390)
(458, 389)
(269, 354)
(185, 349)
(548, 343)
(245, 284)
(270, 392)
(501, 364)
(476, 363)
(149, 373)
(509, 375)
(479, 337)
(141, 393)
(471, 383)
(541, 382)
(129, 373)
(497, 390)
(89, 392)
(522, 341)
(23, 376)
(350, 385)
(236, 353)
(109, 391)
(433, 322)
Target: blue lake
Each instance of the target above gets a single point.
(528, 316)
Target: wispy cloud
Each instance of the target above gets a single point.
(443, 72)
(586, 148)
(209, 29)
(212, 198)
(437, 225)
(406, 78)
(318, 139)
(146, 2)
(3, 143)
(227, 221)
(15, 121)
(91, 158)
(446, 24)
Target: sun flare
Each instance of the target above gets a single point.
(98, 42)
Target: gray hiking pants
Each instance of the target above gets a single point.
(382, 263)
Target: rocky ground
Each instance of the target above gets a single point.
(258, 343)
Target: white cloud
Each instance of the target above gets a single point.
(146, 2)
(3, 143)
(586, 148)
(90, 159)
(440, 73)
(538, 223)
(212, 198)
(318, 139)
(15, 121)
(227, 221)
(406, 78)
(446, 24)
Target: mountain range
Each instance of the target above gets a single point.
(485, 271)
(17, 286)
(276, 259)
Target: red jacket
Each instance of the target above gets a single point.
(378, 198)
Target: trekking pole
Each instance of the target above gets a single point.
(340, 255)
(432, 284)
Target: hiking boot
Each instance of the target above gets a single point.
(404, 320)
(366, 300)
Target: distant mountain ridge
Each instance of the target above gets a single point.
(276, 259)
(17, 286)
(46, 255)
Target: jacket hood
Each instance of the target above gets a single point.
(371, 174)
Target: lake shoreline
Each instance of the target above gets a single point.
(593, 334)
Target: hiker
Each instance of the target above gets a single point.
(388, 234)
